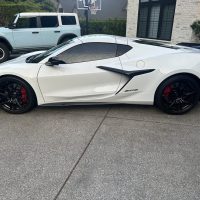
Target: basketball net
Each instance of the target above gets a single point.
(93, 9)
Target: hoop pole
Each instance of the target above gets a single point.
(87, 18)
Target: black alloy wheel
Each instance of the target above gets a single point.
(178, 94)
(16, 96)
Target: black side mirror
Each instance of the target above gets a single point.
(12, 26)
(54, 61)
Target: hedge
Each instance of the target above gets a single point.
(112, 27)
(196, 28)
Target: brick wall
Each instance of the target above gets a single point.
(187, 11)
(132, 18)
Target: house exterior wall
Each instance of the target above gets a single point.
(132, 18)
(111, 9)
(187, 11)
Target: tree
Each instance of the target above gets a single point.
(10, 7)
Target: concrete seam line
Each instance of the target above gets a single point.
(151, 121)
(84, 151)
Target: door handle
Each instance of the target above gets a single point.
(56, 31)
(35, 32)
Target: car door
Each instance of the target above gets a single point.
(50, 30)
(80, 79)
(26, 34)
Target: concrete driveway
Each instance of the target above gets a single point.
(116, 152)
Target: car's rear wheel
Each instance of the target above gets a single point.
(178, 94)
(16, 96)
(4, 52)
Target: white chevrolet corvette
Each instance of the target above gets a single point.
(103, 69)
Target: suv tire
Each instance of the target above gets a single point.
(4, 52)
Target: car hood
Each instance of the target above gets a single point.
(4, 30)
(22, 58)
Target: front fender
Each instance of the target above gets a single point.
(9, 43)
(26, 72)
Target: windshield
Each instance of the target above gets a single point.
(39, 57)
(11, 21)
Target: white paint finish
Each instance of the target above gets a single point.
(83, 82)
(79, 81)
(140, 64)
(39, 38)
(98, 38)
(27, 72)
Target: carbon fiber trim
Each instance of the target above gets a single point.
(129, 74)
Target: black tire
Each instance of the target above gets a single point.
(4, 52)
(177, 95)
(16, 95)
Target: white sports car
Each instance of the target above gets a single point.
(103, 69)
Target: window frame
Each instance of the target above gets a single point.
(40, 21)
(115, 56)
(26, 17)
(118, 53)
(149, 4)
(68, 16)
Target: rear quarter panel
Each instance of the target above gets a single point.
(165, 66)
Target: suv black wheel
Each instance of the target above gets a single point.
(16, 96)
(178, 94)
(4, 52)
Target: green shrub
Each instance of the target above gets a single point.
(196, 28)
(112, 27)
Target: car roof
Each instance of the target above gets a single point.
(102, 38)
(98, 38)
(24, 14)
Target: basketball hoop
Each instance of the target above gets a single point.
(93, 9)
(92, 5)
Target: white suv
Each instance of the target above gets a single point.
(37, 31)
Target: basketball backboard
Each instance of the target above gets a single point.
(89, 5)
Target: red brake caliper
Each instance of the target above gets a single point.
(24, 98)
(167, 91)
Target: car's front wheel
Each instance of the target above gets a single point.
(4, 52)
(16, 96)
(178, 94)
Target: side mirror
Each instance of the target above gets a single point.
(12, 26)
(54, 61)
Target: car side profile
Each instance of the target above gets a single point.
(37, 31)
(103, 69)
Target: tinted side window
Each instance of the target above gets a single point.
(89, 52)
(27, 22)
(68, 20)
(122, 49)
(49, 21)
